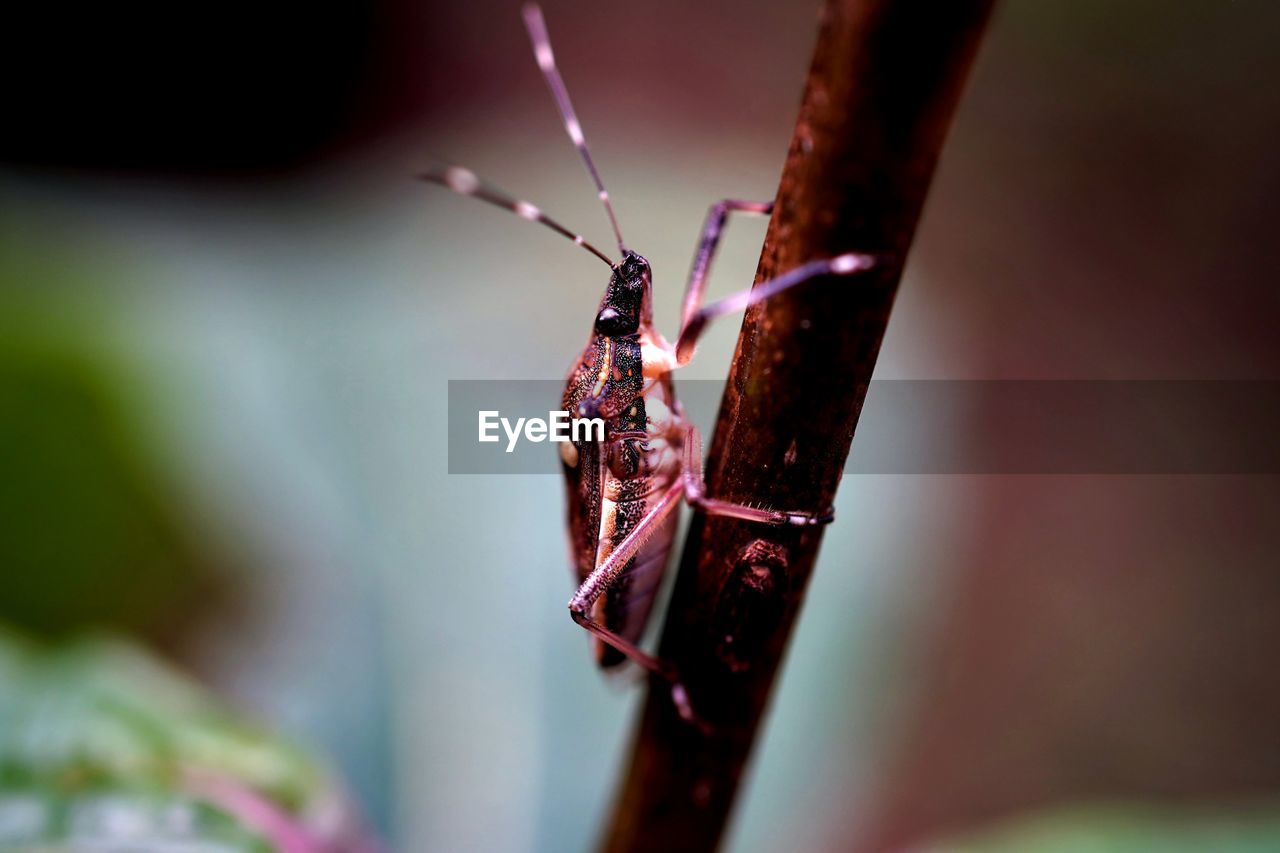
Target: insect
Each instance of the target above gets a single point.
(623, 492)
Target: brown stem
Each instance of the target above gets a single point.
(885, 78)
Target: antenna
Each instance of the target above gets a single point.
(547, 62)
(464, 182)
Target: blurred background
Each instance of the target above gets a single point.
(228, 316)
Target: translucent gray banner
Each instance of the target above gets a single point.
(952, 427)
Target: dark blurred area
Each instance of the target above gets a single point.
(249, 90)
(212, 89)
(227, 317)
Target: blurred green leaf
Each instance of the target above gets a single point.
(1127, 829)
(99, 741)
(90, 536)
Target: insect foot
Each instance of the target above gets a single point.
(578, 610)
(806, 520)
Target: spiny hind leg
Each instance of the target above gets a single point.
(695, 493)
(604, 576)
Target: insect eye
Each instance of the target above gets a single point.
(610, 321)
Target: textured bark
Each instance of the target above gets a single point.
(883, 85)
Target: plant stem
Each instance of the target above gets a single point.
(884, 82)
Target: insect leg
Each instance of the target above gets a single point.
(603, 576)
(839, 265)
(711, 231)
(695, 493)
